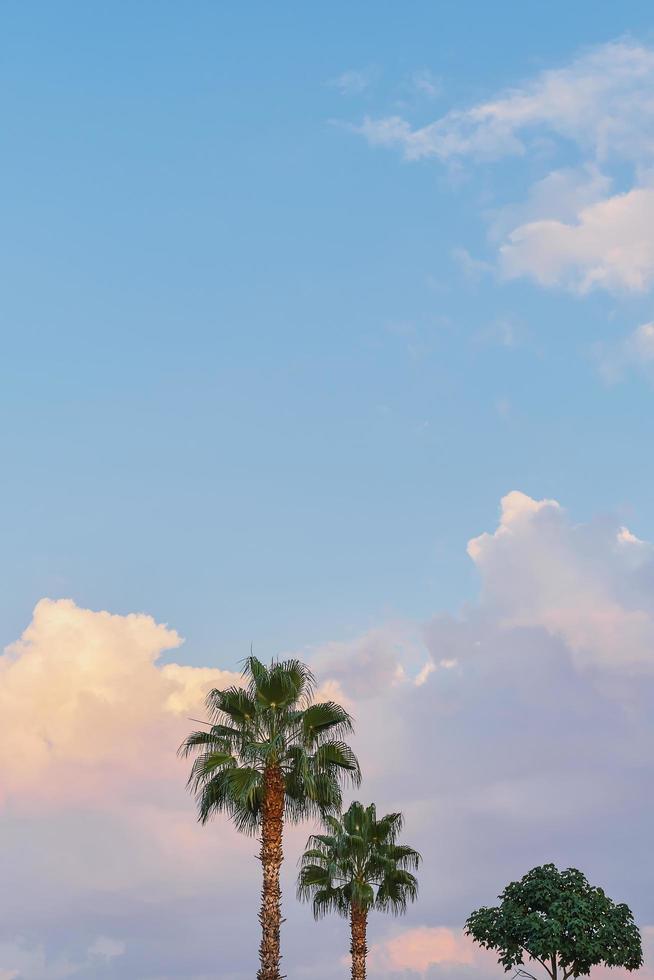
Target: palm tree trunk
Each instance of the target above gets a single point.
(358, 948)
(271, 855)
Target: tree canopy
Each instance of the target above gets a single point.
(271, 722)
(560, 921)
(358, 863)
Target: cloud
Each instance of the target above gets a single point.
(77, 689)
(609, 246)
(601, 101)
(635, 352)
(436, 951)
(473, 269)
(535, 745)
(352, 82)
(418, 949)
(516, 732)
(33, 963)
(571, 232)
(373, 662)
(426, 83)
(537, 569)
(559, 196)
(98, 830)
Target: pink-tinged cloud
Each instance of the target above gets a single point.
(528, 738)
(88, 713)
(608, 245)
(418, 949)
(583, 584)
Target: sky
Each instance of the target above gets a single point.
(327, 330)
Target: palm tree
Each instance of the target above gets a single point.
(358, 867)
(270, 755)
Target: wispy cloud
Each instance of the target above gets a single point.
(602, 102)
(634, 353)
(352, 82)
(472, 268)
(426, 83)
(579, 229)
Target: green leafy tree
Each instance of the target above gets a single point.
(356, 867)
(270, 755)
(558, 920)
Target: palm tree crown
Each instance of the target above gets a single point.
(270, 724)
(359, 865)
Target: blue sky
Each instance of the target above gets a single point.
(325, 328)
(246, 386)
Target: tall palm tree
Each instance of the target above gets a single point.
(270, 755)
(357, 867)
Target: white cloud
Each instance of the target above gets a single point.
(609, 246)
(559, 196)
(601, 101)
(571, 232)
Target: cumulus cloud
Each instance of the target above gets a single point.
(610, 245)
(581, 584)
(516, 732)
(571, 232)
(77, 688)
(96, 825)
(536, 744)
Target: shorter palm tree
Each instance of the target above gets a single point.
(356, 867)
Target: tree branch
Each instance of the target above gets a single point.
(523, 973)
(532, 956)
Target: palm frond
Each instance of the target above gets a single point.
(335, 755)
(234, 703)
(283, 684)
(193, 741)
(237, 791)
(323, 718)
(206, 765)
